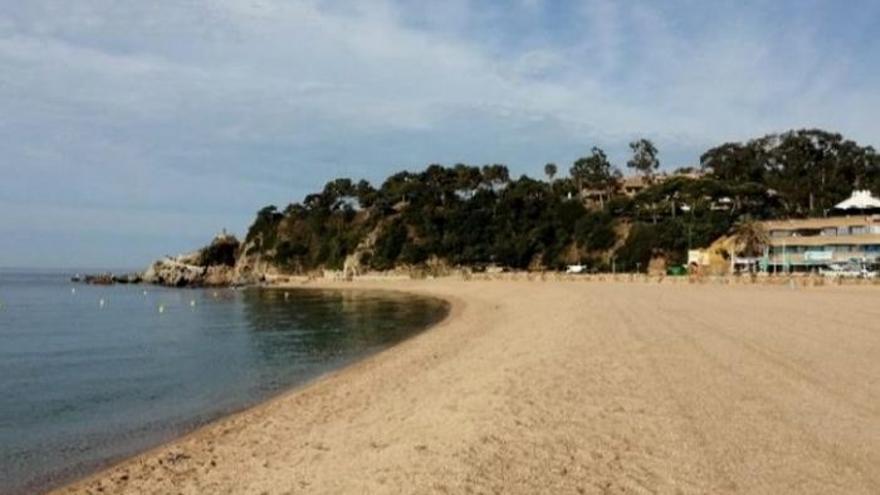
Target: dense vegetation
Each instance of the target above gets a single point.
(221, 251)
(476, 216)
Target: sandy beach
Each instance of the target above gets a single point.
(567, 387)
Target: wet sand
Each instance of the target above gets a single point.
(567, 387)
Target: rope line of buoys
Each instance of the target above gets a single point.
(104, 302)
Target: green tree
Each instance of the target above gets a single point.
(495, 176)
(750, 238)
(550, 171)
(366, 194)
(644, 159)
(595, 173)
(808, 170)
(467, 179)
(595, 231)
(389, 245)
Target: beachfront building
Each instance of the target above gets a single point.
(805, 245)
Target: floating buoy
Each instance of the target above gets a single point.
(192, 303)
(101, 303)
(216, 295)
(286, 295)
(73, 290)
(145, 293)
(161, 308)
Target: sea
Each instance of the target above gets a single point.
(91, 374)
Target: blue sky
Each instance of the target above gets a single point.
(133, 129)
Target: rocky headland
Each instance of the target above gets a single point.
(212, 265)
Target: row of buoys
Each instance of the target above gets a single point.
(103, 302)
(192, 302)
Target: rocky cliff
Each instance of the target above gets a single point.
(252, 266)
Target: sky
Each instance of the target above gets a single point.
(131, 129)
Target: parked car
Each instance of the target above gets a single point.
(576, 269)
(848, 271)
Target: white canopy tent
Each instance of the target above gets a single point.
(860, 200)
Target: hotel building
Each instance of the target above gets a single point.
(813, 243)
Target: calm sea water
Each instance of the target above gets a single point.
(83, 383)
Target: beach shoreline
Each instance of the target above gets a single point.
(553, 386)
(76, 476)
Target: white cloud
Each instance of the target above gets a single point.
(275, 64)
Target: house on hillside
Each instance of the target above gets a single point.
(634, 184)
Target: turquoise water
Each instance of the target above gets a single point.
(84, 383)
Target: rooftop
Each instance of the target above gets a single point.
(859, 200)
(822, 223)
(827, 240)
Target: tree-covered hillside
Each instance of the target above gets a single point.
(475, 216)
